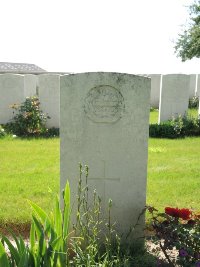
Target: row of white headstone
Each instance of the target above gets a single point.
(170, 93)
(14, 88)
(173, 94)
(104, 123)
(193, 85)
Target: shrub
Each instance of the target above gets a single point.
(194, 102)
(52, 132)
(2, 132)
(153, 109)
(29, 120)
(176, 128)
(179, 228)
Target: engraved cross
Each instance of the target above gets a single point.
(104, 179)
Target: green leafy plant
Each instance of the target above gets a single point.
(2, 132)
(92, 241)
(97, 242)
(176, 128)
(28, 119)
(48, 239)
(194, 102)
(179, 228)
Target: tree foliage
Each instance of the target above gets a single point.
(188, 43)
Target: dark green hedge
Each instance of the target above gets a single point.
(176, 128)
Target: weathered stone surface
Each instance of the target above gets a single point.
(104, 124)
(174, 96)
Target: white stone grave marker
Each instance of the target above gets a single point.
(174, 96)
(155, 89)
(192, 88)
(198, 86)
(30, 84)
(49, 96)
(12, 92)
(104, 124)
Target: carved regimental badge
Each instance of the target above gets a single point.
(104, 103)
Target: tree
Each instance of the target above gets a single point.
(188, 43)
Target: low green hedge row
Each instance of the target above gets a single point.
(176, 128)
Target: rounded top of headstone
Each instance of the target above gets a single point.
(104, 103)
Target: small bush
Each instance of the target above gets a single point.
(52, 132)
(29, 120)
(194, 102)
(179, 228)
(2, 132)
(153, 109)
(176, 128)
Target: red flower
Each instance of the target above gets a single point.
(185, 214)
(174, 212)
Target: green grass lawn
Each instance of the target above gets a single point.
(29, 169)
(154, 115)
(174, 173)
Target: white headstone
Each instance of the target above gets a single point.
(30, 84)
(192, 87)
(104, 124)
(155, 89)
(174, 96)
(49, 96)
(198, 86)
(199, 108)
(12, 92)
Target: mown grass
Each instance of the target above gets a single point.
(174, 173)
(30, 168)
(154, 115)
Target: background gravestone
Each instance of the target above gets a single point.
(49, 96)
(174, 96)
(155, 89)
(199, 108)
(12, 92)
(192, 87)
(14, 89)
(198, 86)
(104, 124)
(30, 84)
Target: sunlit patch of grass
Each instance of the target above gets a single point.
(153, 118)
(174, 174)
(28, 168)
